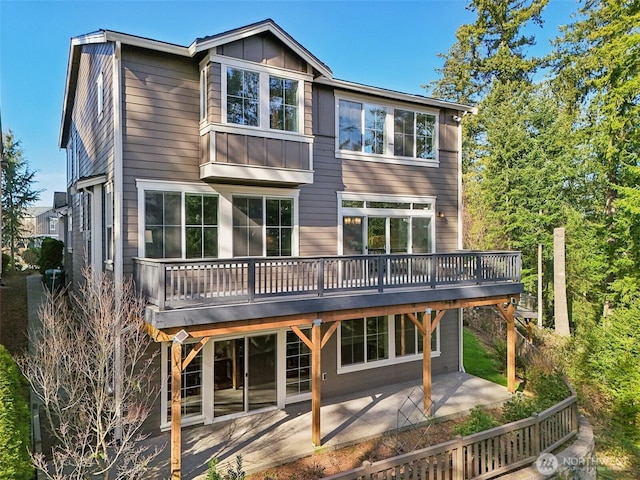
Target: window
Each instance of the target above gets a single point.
(243, 97)
(361, 127)
(165, 223)
(413, 134)
(298, 365)
(283, 104)
(53, 224)
(376, 131)
(86, 226)
(408, 340)
(203, 94)
(108, 223)
(383, 340)
(258, 99)
(364, 340)
(190, 385)
(201, 227)
(262, 226)
(100, 93)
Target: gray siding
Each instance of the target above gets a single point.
(260, 151)
(160, 128)
(345, 383)
(92, 136)
(318, 202)
(264, 48)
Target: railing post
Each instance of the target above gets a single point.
(479, 269)
(251, 281)
(161, 272)
(381, 263)
(536, 435)
(458, 465)
(433, 267)
(321, 278)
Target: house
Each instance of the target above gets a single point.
(49, 222)
(296, 236)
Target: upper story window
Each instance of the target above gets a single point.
(243, 97)
(100, 93)
(413, 134)
(203, 94)
(263, 100)
(384, 133)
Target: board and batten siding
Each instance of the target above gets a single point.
(377, 376)
(160, 127)
(267, 49)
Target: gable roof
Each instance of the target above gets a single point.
(267, 25)
(198, 45)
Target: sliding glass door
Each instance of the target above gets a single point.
(245, 376)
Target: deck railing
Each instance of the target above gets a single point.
(175, 283)
(483, 455)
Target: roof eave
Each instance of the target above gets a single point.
(405, 97)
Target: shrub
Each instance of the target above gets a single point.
(478, 421)
(51, 254)
(232, 474)
(518, 407)
(15, 422)
(548, 387)
(31, 256)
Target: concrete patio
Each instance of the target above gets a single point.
(274, 437)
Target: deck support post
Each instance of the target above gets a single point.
(176, 433)
(316, 381)
(426, 362)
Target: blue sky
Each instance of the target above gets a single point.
(389, 44)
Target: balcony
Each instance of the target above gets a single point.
(214, 290)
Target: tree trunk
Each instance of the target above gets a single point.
(561, 313)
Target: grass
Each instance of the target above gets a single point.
(478, 360)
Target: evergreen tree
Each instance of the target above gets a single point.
(597, 66)
(17, 194)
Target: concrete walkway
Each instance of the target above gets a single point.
(274, 437)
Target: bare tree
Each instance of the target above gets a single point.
(70, 367)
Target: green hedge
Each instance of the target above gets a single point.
(51, 253)
(15, 422)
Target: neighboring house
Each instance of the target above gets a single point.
(33, 222)
(289, 227)
(50, 222)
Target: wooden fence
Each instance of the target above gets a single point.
(482, 455)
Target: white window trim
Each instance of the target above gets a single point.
(225, 208)
(385, 212)
(108, 223)
(206, 397)
(388, 156)
(392, 360)
(263, 106)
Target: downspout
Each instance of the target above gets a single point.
(460, 242)
(117, 166)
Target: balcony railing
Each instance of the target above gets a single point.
(171, 283)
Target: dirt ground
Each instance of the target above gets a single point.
(389, 445)
(13, 312)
